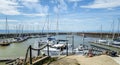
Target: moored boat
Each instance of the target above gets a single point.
(4, 43)
(60, 44)
(116, 41)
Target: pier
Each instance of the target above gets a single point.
(107, 47)
(9, 59)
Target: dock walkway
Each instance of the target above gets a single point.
(112, 48)
(9, 58)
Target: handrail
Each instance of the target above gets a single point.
(30, 48)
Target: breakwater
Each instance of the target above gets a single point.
(88, 34)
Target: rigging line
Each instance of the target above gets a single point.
(44, 25)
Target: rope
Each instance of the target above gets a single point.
(33, 49)
(39, 48)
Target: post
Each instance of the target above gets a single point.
(72, 44)
(30, 55)
(83, 43)
(26, 55)
(39, 47)
(48, 48)
(67, 49)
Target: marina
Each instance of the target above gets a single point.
(60, 32)
(78, 40)
(15, 47)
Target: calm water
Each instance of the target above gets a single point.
(19, 49)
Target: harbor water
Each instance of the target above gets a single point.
(16, 50)
(19, 49)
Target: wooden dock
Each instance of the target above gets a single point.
(104, 46)
(9, 58)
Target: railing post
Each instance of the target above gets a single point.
(38, 50)
(48, 48)
(67, 48)
(30, 55)
(26, 55)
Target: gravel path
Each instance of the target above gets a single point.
(117, 59)
(82, 60)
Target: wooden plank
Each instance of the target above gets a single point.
(40, 60)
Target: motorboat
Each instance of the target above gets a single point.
(60, 44)
(51, 41)
(4, 43)
(116, 41)
(102, 41)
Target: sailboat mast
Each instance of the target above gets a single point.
(16, 30)
(57, 27)
(20, 30)
(43, 26)
(6, 26)
(118, 26)
(101, 31)
(48, 25)
(113, 31)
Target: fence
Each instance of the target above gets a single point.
(29, 51)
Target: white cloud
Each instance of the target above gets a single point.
(36, 6)
(34, 1)
(103, 4)
(74, 0)
(9, 20)
(9, 7)
(35, 14)
(75, 3)
(56, 10)
(16, 7)
(61, 7)
(53, 1)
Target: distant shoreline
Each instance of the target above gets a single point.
(87, 34)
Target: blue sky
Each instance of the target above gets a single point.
(72, 15)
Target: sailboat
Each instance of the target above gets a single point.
(48, 40)
(5, 42)
(81, 47)
(59, 43)
(116, 41)
(20, 37)
(101, 40)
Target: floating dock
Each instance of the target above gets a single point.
(104, 46)
(9, 58)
